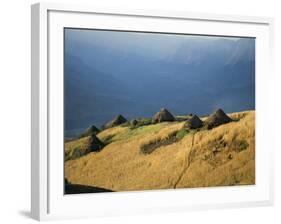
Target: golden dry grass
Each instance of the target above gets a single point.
(222, 156)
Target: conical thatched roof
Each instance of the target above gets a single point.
(94, 144)
(116, 121)
(217, 118)
(162, 115)
(194, 122)
(90, 130)
(133, 122)
(83, 146)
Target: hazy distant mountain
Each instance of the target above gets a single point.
(243, 52)
(215, 53)
(105, 77)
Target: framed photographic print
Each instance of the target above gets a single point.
(137, 111)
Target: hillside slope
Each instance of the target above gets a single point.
(221, 156)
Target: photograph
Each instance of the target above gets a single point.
(157, 111)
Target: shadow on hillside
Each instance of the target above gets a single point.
(81, 189)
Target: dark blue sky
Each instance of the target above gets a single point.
(135, 74)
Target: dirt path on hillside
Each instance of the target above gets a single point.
(189, 159)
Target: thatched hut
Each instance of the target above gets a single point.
(119, 119)
(94, 144)
(193, 123)
(217, 118)
(89, 131)
(163, 115)
(134, 122)
(82, 147)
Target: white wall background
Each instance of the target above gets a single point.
(15, 110)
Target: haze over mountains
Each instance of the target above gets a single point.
(134, 74)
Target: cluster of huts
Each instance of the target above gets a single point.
(191, 122)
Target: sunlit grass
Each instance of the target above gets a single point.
(222, 156)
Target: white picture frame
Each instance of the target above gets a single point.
(48, 201)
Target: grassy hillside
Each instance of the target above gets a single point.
(221, 156)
